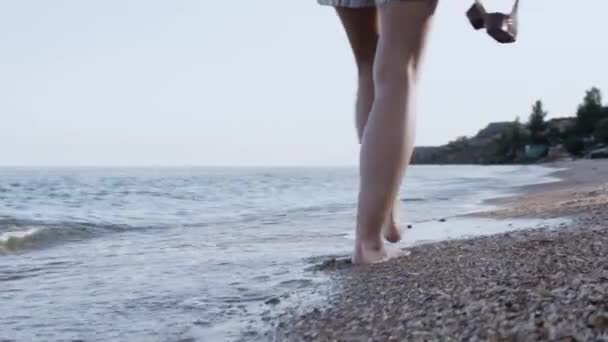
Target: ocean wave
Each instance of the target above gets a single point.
(37, 237)
(21, 235)
(413, 199)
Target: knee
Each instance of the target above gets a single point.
(365, 70)
(394, 74)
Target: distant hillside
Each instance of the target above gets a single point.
(486, 147)
(584, 134)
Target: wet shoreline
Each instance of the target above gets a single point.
(548, 282)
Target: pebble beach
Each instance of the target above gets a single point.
(549, 283)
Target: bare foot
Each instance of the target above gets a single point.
(374, 252)
(391, 229)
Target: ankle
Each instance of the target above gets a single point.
(369, 242)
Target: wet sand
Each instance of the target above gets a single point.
(548, 283)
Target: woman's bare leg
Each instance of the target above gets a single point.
(361, 29)
(361, 26)
(388, 138)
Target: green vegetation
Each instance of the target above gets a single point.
(459, 144)
(577, 135)
(590, 112)
(537, 139)
(537, 124)
(574, 145)
(510, 142)
(601, 131)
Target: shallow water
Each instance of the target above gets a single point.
(170, 254)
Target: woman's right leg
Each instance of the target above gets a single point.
(388, 138)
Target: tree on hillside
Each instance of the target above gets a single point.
(459, 144)
(511, 142)
(590, 112)
(536, 123)
(553, 136)
(519, 135)
(574, 145)
(601, 131)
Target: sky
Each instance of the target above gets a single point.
(260, 83)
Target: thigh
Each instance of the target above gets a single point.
(403, 28)
(361, 29)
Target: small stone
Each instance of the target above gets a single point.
(598, 320)
(409, 226)
(539, 322)
(442, 220)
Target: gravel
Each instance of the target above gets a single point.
(548, 284)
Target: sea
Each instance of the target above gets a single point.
(201, 254)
